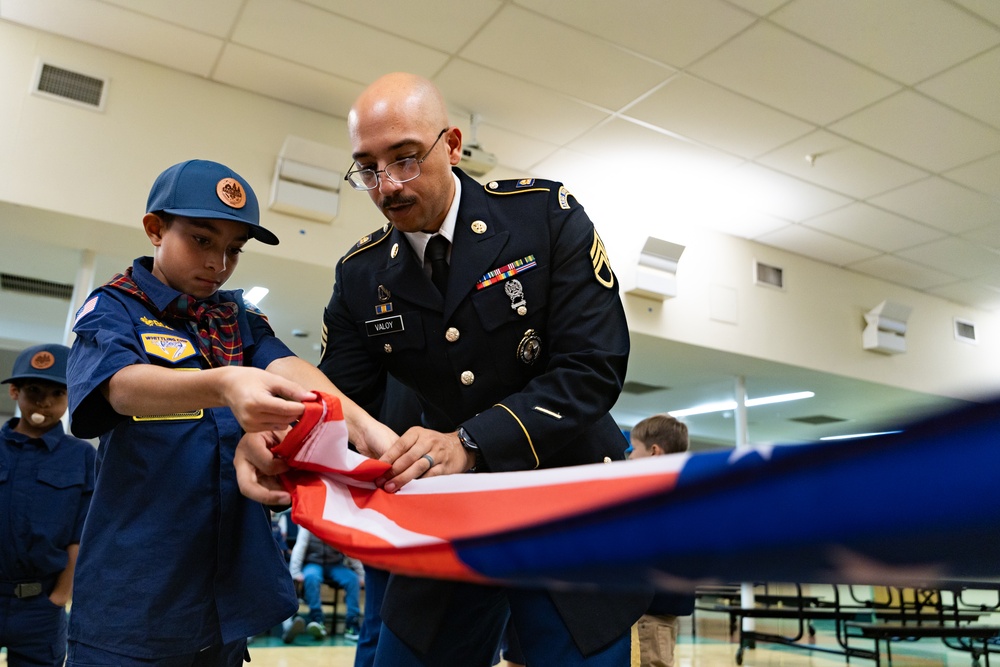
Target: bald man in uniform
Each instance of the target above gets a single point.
(497, 307)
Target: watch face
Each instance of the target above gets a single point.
(466, 441)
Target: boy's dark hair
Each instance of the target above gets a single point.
(663, 430)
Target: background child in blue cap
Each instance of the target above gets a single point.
(46, 480)
(170, 372)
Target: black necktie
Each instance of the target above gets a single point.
(437, 253)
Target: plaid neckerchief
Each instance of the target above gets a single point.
(214, 325)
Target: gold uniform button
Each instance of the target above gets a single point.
(493, 185)
(607, 459)
(452, 334)
(388, 348)
(468, 377)
(479, 227)
(395, 250)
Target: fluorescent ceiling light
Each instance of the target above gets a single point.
(851, 436)
(255, 294)
(780, 398)
(722, 406)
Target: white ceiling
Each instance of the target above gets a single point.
(896, 101)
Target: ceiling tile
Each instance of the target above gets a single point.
(811, 243)
(982, 176)
(551, 116)
(119, 30)
(921, 131)
(747, 224)
(955, 256)
(626, 145)
(782, 70)
(971, 87)
(279, 79)
(555, 56)
(841, 165)
(988, 236)
(971, 293)
(941, 204)
(718, 117)
(926, 36)
(214, 18)
(902, 272)
(988, 9)
(759, 7)
(768, 191)
(874, 227)
(511, 148)
(316, 38)
(674, 33)
(420, 22)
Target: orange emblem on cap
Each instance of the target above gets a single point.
(231, 193)
(43, 360)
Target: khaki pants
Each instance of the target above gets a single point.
(657, 637)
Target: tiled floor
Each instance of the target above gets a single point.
(711, 647)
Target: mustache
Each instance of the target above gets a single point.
(391, 201)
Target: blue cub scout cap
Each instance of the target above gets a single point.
(205, 189)
(41, 362)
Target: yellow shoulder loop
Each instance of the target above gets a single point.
(515, 186)
(368, 241)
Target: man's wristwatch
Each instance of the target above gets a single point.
(469, 445)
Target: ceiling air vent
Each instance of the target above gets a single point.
(770, 276)
(638, 388)
(817, 420)
(35, 286)
(965, 331)
(68, 86)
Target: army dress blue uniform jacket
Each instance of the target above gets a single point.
(173, 558)
(530, 370)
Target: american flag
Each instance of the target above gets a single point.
(910, 508)
(86, 308)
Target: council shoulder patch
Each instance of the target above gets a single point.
(164, 346)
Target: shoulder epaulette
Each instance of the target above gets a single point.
(516, 186)
(368, 241)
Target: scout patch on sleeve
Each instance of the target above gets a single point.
(602, 266)
(170, 348)
(86, 309)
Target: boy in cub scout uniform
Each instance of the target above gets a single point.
(497, 307)
(169, 371)
(46, 480)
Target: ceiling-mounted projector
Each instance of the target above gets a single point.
(476, 161)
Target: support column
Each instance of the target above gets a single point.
(742, 441)
(83, 286)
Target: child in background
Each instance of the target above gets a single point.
(46, 480)
(657, 629)
(170, 371)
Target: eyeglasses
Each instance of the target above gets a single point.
(400, 171)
